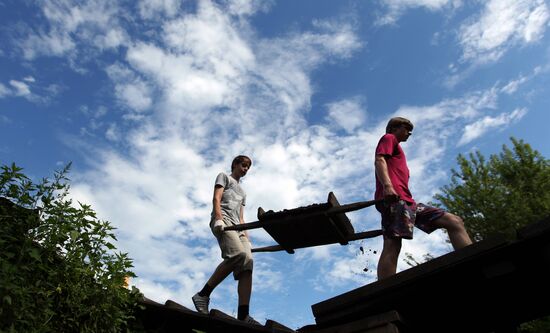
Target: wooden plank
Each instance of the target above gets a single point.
(367, 297)
(383, 322)
(173, 305)
(340, 219)
(365, 234)
(357, 236)
(272, 248)
(278, 327)
(215, 313)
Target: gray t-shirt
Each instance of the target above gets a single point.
(233, 198)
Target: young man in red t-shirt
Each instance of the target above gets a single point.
(399, 211)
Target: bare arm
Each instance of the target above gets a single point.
(241, 217)
(381, 169)
(217, 202)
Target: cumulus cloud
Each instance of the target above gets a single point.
(475, 130)
(501, 25)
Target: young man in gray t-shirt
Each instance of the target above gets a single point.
(228, 206)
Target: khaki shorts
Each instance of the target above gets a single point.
(236, 250)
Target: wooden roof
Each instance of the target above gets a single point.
(173, 317)
(484, 287)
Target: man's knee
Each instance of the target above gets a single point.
(243, 263)
(453, 222)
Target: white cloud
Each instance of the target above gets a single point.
(130, 89)
(349, 114)
(27, 88)
(248, 7)
(21, 88)
(512, 86)
(112, 133)
(71, 24)
(502, 24)
(396, 8)
(136, 95)
(475, 130)
(151, 8)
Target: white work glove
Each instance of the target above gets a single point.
(218, 227)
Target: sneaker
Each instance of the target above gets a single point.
(201, 303)
(250, 320)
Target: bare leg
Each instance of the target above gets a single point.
(455, 228)
(245, 287)
(387, 264)
(221, 272)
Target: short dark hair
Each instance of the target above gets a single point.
(397, 122)
(239, 159)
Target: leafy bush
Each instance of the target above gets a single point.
(59, 271)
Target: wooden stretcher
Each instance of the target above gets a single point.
(314, 225)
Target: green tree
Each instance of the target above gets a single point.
(502, 194)
(59, 269)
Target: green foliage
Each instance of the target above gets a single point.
(507, 192)
(536, 326)
(501, 195)
(59, 271)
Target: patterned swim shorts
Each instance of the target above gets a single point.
(399, 218)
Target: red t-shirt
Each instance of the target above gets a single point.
(397, 168)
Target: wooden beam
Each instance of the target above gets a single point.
(365, 234)
(272, 248)
(357, 236)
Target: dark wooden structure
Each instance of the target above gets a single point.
(173, 317)
(314, 225)
(490, 286)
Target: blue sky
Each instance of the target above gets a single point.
(150, 99)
